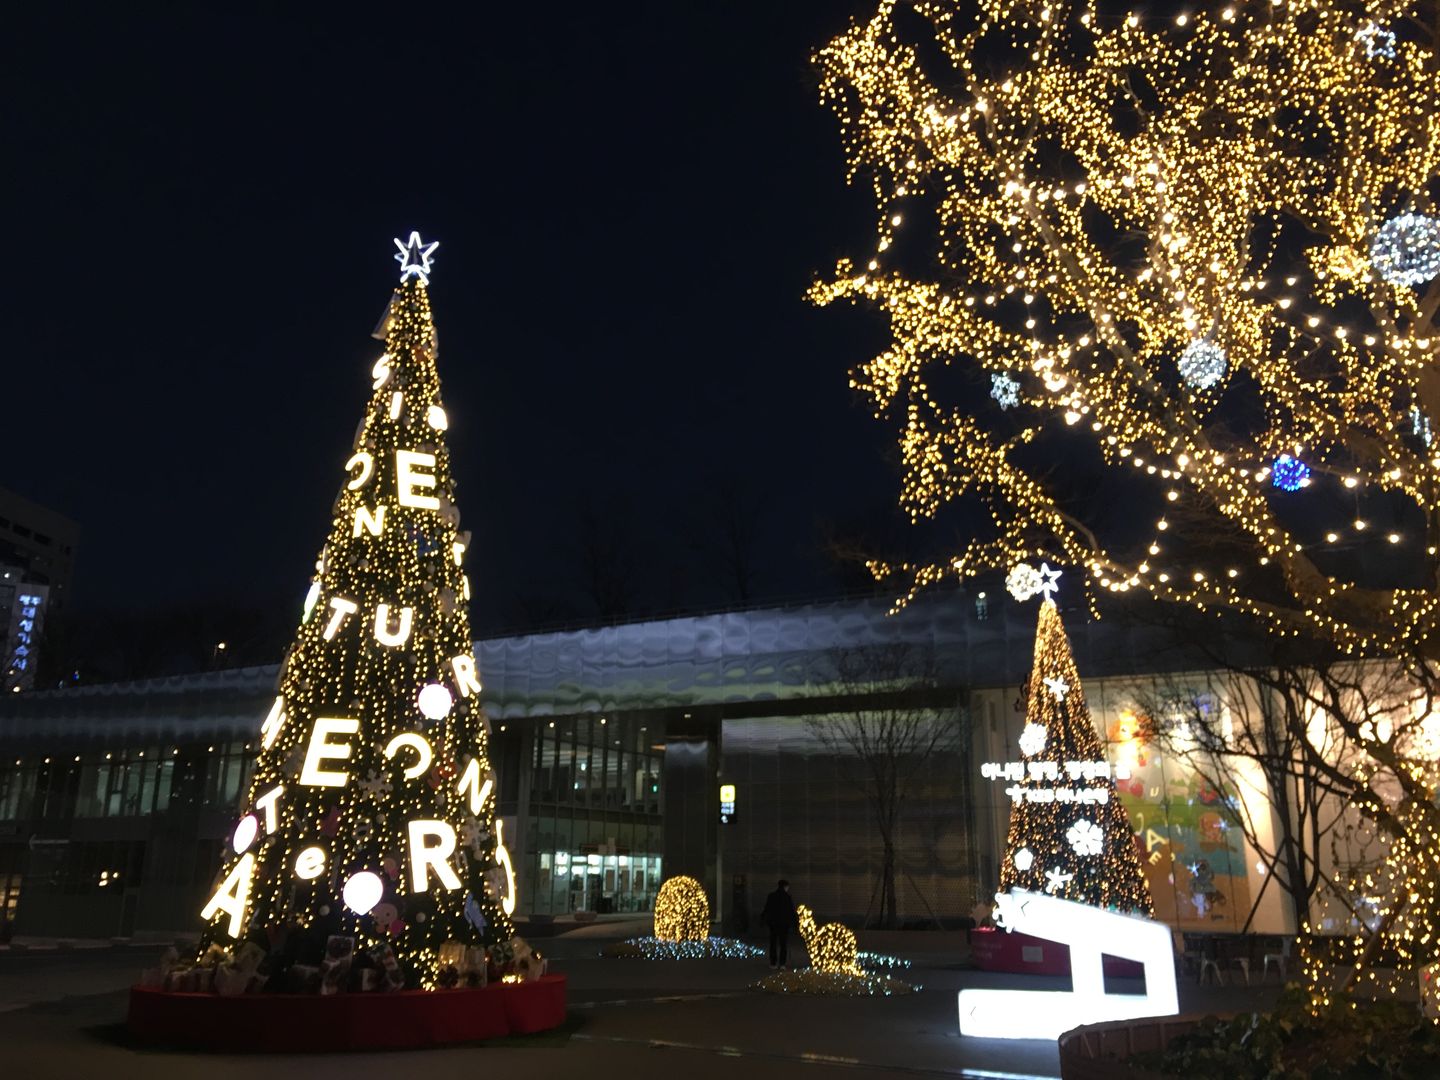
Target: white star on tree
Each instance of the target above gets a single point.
(1057, 686)
(1032, 739)
(414, 257)
(1055, 880)
(1086, 838)
(1049, 580)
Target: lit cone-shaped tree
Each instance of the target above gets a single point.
(372, 813)
(1069, 835)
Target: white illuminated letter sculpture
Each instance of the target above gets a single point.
(341, 609)
(1091, 933)
(366, 462)
(269, 803)
(408, 479)
(470, 785)
(502, 856)
(425, 857)
(417, 743)
(365, 521)
(273, 723)
(232, 896)
(465, 678)
(320, 750)
(397, 636)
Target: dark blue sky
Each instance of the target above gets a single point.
(630, 203)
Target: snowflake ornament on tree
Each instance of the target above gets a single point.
(1086, 838)
(1005, 390)
(1202, 364)
(1377, 41)
(1406, 250)
(1032, 739)
(1289, 474)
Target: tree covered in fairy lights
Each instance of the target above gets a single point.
(1069, 834)
(371, 814)
(1198, 250)
(1197, 247)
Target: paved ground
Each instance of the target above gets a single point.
(61, 1014)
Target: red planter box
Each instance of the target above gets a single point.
(998, 950)
(298, 1023)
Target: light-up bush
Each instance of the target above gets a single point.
(682, 913)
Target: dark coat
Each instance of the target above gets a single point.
(779, 913)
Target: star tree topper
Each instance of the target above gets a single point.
(414, 257)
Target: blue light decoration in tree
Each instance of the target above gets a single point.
(1377, 40)
(1406, 250)
(1289, 473)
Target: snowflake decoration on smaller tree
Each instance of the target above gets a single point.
(1377, 40)
(1289, 474)
(1086, 838)
(1406, 250)
(1005, 390)
(1057, 686)
(1056, 879)
(1202, 364)
(1032, 739)
(1024, 859)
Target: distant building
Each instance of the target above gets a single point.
(37, 558)
(613, 748)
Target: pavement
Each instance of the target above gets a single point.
(62, 1013)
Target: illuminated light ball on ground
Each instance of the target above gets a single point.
(1406, 250)
(435, 701)
(1202, 364)
(362, 892)
(682, 913)
(1289, 474)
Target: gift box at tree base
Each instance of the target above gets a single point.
(367, 894)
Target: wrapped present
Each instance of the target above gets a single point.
(230, 981)
(335, 968)
(304, 979)
(391, 977)
(475, 970)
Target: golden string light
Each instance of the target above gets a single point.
(1104, 193)
(682, 911)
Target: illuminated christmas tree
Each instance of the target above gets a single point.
(1069, 835)
(371, 815)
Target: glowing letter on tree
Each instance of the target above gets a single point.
(273, 723)
(470, 782)
(310, 863)
(381, 371)
(232, 896)
(465, 678)
(423, 754)
(408, 479)
(268, 803)
(341, 609)
(384, 634)
(320, 750)
(502, 856)
(364, 520)
(433, 856)
(366, 462)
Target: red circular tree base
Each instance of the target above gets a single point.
(290, 1023)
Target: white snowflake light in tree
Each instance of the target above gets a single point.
(1086, 838)
(1377, 41)
(1406, 250)
(1024, 859)
(1055, 880)
(1023, 582)
(1057, 686)
(1202, 364)
(1032, 739)
(1005, 390)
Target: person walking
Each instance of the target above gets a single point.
(779, 915)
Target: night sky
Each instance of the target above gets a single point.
(630, 202)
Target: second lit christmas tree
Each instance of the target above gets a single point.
(1069, 835)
